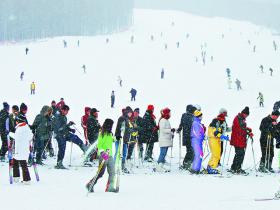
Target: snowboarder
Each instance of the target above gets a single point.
(149, 132)
(217, 133)
(228, 72)
(166, 134)
(84, 68)
(185, 125)
(105, 146)
(238, 84)
(197, 137)
(268, 128)
(63, 133)
(271, 71)
(26, 51)
(112, 99)
(4, 129)
(32, 88)
(261, 68)
(23, 137)
(84, 122)
(261, 100)
(162, 73)
(21, 75)
(120, 81)
(133, 93)
(42, 129)
(239, 135)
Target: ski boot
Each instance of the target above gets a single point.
(242, 172)
(59, 165)
(262, 168)
(90, 187)
(211, 170)
(2, 158)
(277, 195)
(124, 169)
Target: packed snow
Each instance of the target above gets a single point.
(57, 72)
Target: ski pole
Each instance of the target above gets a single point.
(180, 149)
(266, 151)
(253, 152)
(229, 154)
(71, 153)
(224, 158)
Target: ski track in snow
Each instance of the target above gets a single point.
(58, 72)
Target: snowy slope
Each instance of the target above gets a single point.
(57, 73)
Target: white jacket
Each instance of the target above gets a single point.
(165, 134)
(23, 137)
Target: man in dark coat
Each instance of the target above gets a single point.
(268, 128)
(112, 99)
(186, 125)
(276, 106)
(133, 93)
(239, 135)
(4, 129)
(149, 132)
(93, 126)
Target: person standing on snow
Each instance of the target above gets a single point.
(162, 73)
(32, 88)
(112, 99)
(261, 100)
(84, 120)
(133, 93)
(239, 135)
(4, 129)
(197, 137)
(166, 134)
(238, 84)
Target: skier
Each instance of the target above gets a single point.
(32, 88)
(133, 93)
(64, 133)
(261, 100)
(216, 133)
(107, 40)
(185, 125)
(271, 71)
(239, 135)
(162, 73)
(64, 43)
(4, 129)
(21, 75)
(93, 126)
(276, 106)
(261, 68)
(84, 68)
(137, 122)
(112, 99)
(26, 51)
(78, 43)
(42, 129)
(166, 134)
(120, 81)
(84, 120)
(152, 38)
(228, 72)
(254, 48)
(178, 44)
(149, 132)
(268, 128)
(197, 137)
(132, 39)
(13, 116)
(60, 104)
(23, 137)
(274, 45)
(165, 46)
(238, 84)
(105, 143)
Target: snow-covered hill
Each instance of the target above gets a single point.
(58, 72)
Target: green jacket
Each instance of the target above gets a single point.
(105, 142)
(42, 125)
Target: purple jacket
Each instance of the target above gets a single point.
(197, 131)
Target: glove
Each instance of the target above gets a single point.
(251, 135)
(72, 130)
(104, 155)
(178, 130)
(217, 134)
(71, 123)
(173, 130)
(118, 138)
(224, 137)
(249, 129)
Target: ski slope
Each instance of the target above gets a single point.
(57, 72)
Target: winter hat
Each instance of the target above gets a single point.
(23, 107)
(137, 110)
(21, 118)
(223, 110)
(246, 110)
(128, 109)
(275, 113)
(150, 108)
(221, 117)
(65, 107)
(197, 113)
(6, 106)
(93, 110)
(190, 108)
(87, 109)
(15, 107)
(165, 113)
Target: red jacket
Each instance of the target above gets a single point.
(239, 132)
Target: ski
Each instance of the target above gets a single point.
(10, 158)
(266, 199)
(34, 166)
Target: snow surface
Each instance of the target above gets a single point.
(58, 72)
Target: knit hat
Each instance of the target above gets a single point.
(150, 108)
(190, 108)
(276, 113)
(87, 109)
(15, 107)
(246, 110)
(137, 110)
(165, 113)
(221, 117)
(223, 110)
(6, 106)
(65, 107)
(23, 107)
(197, 113)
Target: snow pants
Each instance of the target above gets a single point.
(267, 148)
(215, 148)
(110, 165)
(198, 154)
(4, 147)
(189, 152)
(238, 158)
(25, 171)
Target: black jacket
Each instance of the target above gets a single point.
(267, 128)
(186, 126)
(4, 115)
(149, 129)
(118, 132)
(92, 129)
(60, 126)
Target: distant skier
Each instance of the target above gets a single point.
(271, 71)
(254, 48)
(274, 45)
(84, 68)
(261, 68)
(26, 51)
(228, 72)
(120, 81)
(212, 58)
(21, 75)
(152, 38)
(78, 43)
(178, 44)
(107, 40)
(238, 84)
(32, 88)
(162, 73)
(187, 36)
(132, 39)
(165, 46)
(261, 100)
(84, 121)
(64, 43)
(133, 93)
(112, 99)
